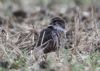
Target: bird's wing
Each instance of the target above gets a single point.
(55, 37)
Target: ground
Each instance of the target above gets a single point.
(19, 33)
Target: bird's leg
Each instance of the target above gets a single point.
(44, 57)
(58, 55)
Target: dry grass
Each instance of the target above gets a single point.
(83, 42)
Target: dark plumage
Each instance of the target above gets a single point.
(49, 39)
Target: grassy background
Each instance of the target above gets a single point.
(17, 37)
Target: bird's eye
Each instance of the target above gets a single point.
(61, 24)
(54, 23)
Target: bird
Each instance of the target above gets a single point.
(51, 38)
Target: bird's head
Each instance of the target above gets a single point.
(58, 23)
